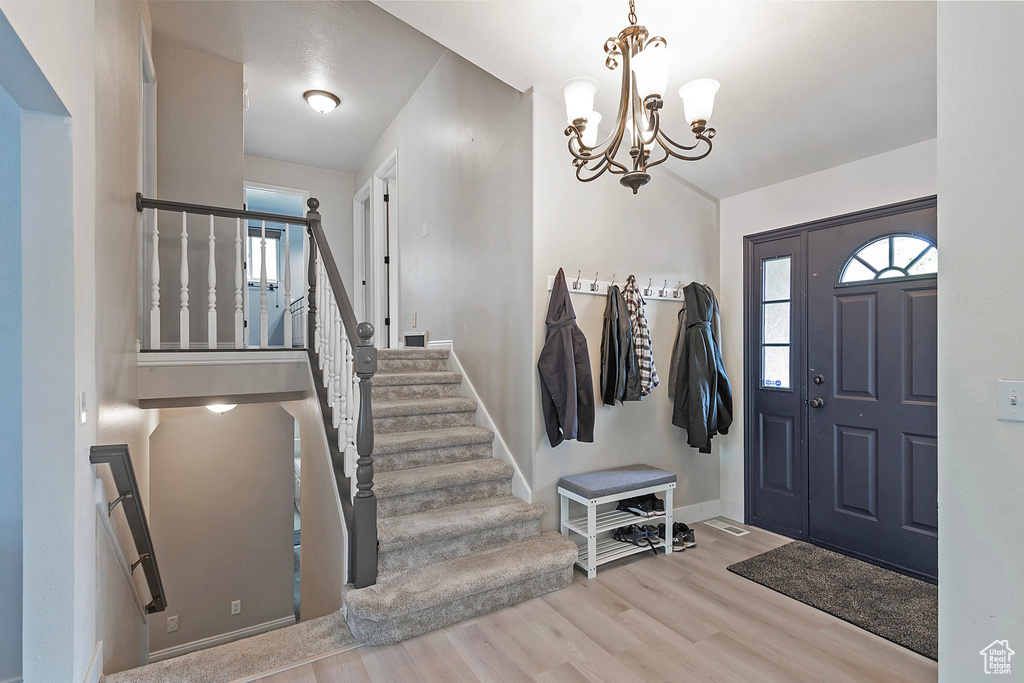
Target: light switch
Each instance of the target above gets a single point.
(1011, 400)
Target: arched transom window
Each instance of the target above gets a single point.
(890, 257)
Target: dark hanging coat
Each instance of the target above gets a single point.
(566, 382)
(697, 379)
(620, 373)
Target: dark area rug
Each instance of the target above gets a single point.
(893, 606)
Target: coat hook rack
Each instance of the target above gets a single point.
(600, 288)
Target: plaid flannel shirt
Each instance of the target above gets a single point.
(641, 337)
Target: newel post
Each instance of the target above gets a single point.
(365, 503)
(312, 215)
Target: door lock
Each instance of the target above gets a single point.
(816, 403)
(819, 379)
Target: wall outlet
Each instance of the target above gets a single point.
(236, 606)
(172, 624)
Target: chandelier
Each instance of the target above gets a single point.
(644, 82)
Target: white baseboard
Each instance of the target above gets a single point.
(441, 344)
(212, 641)
(520, 488)
(698, 512)
(95, 666)
(733, 511)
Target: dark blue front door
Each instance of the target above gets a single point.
(872, 390)
(841, 405)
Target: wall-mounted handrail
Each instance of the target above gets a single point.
(120, 462)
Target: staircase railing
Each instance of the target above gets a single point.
(339, 365)
(120, 462)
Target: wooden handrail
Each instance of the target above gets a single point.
(120, 462)
(224, 212)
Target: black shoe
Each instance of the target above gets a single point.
(682, 536)
(636, 535)
(633, 505)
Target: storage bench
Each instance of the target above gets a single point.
(608, 486)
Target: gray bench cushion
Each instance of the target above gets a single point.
(616, 480)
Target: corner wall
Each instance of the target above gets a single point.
(464, 176)
(981, 334)
(666, 232)
(902, 174)
(232, 477)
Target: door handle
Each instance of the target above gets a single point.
(816, 403)
(819, 379)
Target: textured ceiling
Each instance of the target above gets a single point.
(371, 60)
(805, 85)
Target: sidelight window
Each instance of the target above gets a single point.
(776, 321)
(892, 256)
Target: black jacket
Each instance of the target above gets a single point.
(620, 374)
(697, 379)
(566, 382)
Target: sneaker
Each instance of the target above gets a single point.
(682, 536)
(633, 505)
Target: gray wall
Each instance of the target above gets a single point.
(324, 535)
(199, 161)
(117, 242)
(10, 379)
(464, 170)
(667, 231)
(333, 189)
(221, 501)
(981, 333)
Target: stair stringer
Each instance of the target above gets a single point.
(500, 451)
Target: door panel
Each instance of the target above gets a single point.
(778, 490)
(872, 422)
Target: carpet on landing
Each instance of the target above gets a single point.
(893, 606)
(247, 656)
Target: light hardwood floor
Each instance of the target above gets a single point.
(681, 617)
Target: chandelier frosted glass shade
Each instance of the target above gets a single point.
(650, 71)
(699, 99)
(579, 97)
(637, 125)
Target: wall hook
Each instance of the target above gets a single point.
(593, 285)
(612, 283)
(650, 290)
(678, 293)
(664, 290)
(576, 284)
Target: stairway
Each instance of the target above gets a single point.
(454, 542)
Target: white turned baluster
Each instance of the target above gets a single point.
(154, 270)
(346, 388)
(239, 313)
(329, 368)
(183, 334)
(211, 316)
(321, 298)
(339, 362)
(264, 317)
(287, 289)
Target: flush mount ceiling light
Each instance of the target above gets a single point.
(221, 407)
(644, 82)
(321, 100)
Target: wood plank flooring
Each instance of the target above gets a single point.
(681, 617)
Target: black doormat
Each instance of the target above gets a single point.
(893, 606)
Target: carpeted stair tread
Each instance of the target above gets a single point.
(436, 585)
(422, 479)
(423, 406)
(412, 354)
(407, 378)
(454, 521)
(399, 442)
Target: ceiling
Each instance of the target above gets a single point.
(805, 85)
(371, 60)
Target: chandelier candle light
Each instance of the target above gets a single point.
(644, 82)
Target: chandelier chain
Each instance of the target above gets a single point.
(632, 14)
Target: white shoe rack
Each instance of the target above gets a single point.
(593, 551)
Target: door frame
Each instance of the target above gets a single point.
(751, 346)
(384, 242)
